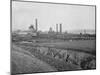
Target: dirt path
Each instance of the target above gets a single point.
(24, 62)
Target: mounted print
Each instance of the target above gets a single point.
(52, 37)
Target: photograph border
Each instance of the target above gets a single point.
(58, 4)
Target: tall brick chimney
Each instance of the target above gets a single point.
(56, 28)
(36, 24)
(60, 28)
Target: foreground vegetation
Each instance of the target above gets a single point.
(58, 57)
(63, 55)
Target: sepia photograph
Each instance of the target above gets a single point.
(52, 37)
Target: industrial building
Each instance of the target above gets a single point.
(58, 34)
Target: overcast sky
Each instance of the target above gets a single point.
(72, 17)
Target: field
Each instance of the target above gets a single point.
(57, 55)
(79, 45)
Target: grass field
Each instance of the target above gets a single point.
(82, 55)
(85, 44)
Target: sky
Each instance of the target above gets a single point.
(72, 17)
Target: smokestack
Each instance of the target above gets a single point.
(36, 23)
(57, 28)
(60, 28)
